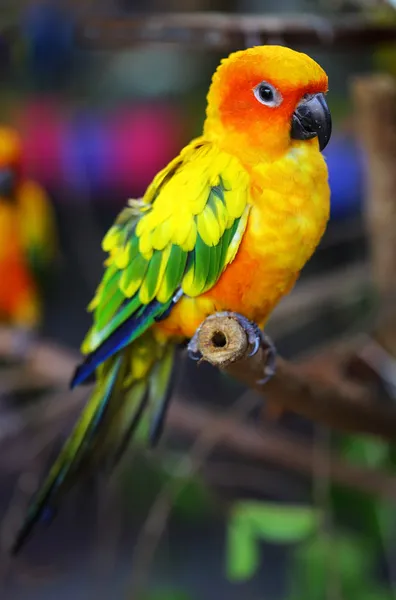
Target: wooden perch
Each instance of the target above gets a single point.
(22, 434)
(223, 342)
(225, 32)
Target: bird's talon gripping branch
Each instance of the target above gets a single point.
(258, 339)
(270, 365)
(192, 350)
(225, 337)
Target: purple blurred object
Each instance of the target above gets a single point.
(86, 154)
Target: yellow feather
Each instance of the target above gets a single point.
(121, 258)
(196, 183)
(236, 201)
(110, 240)
(208, 227)
(94, 303)
(145, 243)
(191, 239)
(162, 234)
(182, 224)
(221, 214)
(143, 293)
(188, 281)
(236, 240)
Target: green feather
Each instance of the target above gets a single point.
(113, 299)
(174, 271)
(72, 453)
(133, 246)
(214, 265)
(201, 265)
(225, 242)
(133, 275)
(99, 334)
(126, 420)
(218, 190)
(150, 283)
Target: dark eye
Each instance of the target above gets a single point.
(267, 94)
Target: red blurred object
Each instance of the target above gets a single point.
(137, 143)
(41, 125)
(144, 139)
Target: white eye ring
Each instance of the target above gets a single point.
(266, 94)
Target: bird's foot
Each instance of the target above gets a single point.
(192, 349)
(256, 337)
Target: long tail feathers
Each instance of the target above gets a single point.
(150, 396)
(71, 455)
(162, 381)
(110, 419)
(128, 418)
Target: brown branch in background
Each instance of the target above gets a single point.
(280, 449)
(21, 435)
(295, 387)
(222, 31)
(374, 98)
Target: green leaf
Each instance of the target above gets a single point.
(278, 523)
(253, 521)
(242, 554)
(368, 451)
(346, 556)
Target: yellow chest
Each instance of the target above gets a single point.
(290, 202)
(290, 208)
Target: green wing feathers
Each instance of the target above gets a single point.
(177, 240)
(182, 234)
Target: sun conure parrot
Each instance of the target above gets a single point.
(226, 226)
(27, 239)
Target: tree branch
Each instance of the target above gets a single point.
(295, 387)
(222, 31)
(277, 448)
(21, 434)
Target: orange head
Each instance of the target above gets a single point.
(263, 99)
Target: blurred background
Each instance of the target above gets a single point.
(102, 98)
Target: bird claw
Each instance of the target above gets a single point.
(192, 348)
(257, 339)
(270, 366)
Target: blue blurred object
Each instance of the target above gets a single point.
(48, 30)
(86, 153)
(346, 170)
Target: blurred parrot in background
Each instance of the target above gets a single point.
(27, 241)
(226, 226)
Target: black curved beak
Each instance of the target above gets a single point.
(7, 183)
(311, 119)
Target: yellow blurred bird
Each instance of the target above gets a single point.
(27, 238)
